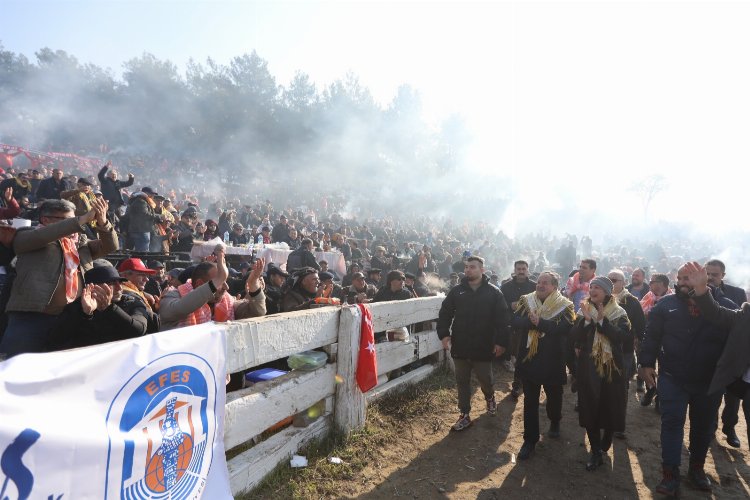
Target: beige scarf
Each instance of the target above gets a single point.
(555, 304)
(601, 350)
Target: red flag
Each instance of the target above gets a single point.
(367, 363)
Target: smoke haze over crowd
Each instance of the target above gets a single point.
(615, 120)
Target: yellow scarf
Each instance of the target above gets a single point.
(551, 308)
(601, 349)
(127, 285)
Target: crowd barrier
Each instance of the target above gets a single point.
(251, 411)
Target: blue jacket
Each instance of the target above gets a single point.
(687, 345)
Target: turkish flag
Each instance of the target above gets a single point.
(367, 363)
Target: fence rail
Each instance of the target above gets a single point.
(251, 411)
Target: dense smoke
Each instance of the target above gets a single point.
(256, 138)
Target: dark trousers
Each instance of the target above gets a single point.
(26, 332)
(731, 414)
(531, 392)
(483, 372)
(677, 401)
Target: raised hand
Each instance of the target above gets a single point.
(221, 267)
(103, 294)
(8, 194)
(101, 206)
(88, 302)
(252, 284)
(586, 310)
(697, 277)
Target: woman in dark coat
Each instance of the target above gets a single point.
(599, 334)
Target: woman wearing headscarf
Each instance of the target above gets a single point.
(599, 334)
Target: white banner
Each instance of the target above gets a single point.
(137, 419)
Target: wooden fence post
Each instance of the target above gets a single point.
(350, 404)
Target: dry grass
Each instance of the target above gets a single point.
(322, 479)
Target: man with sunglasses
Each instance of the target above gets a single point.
(49, 270)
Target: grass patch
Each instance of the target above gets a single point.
(361, 449)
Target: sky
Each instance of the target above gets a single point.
(587, 98)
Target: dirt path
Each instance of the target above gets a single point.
(480, 462)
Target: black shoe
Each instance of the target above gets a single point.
(640, 386)
(606, 441)
(670, 482)
(732, 439)
(648, 397)
(554, 430)
(595, 460)
(526, 450)
(698, 478)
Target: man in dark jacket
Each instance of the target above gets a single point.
(473, 324)
(275, 279)
(305, 289)
(111, 186)
(544, 319)
(51, 187)
(688, 347)
(141, 219)
(183, 233)
(715, 270)
(280, 231)
(102, 314)
(302, 257)
(637, 325)
(733, 369)
(518, 285)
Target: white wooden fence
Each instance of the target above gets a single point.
(249, 412)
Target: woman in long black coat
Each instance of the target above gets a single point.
(599, 334)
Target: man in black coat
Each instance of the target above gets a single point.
(111, 186)
(688, 347)
(733, 368)
(473, 324)
(715, 270)
(544, 319)
(102, 314)
(633, 308)
(302, 257)
(51, 187)
(519, 284)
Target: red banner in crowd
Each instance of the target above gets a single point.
(367, 363)
(39, 158)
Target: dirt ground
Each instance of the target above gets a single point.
(480, 461)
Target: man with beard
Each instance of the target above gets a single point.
(638, 286)
(688, 347)
(733, 369)
(473, 324)
(715, 270)
(513, 289)
(637, 326)
(543, 318)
